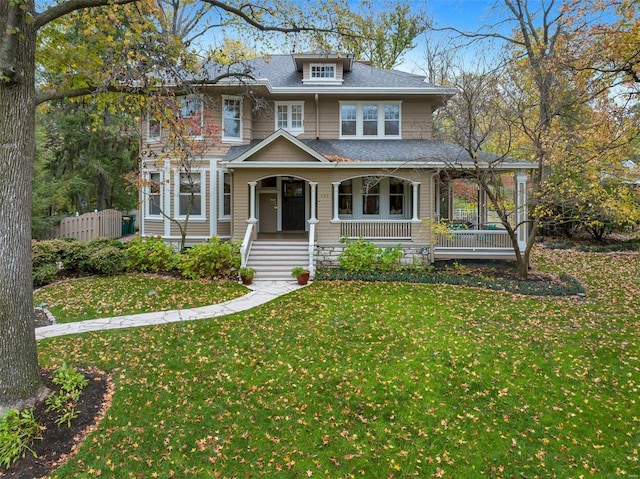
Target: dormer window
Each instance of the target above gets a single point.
(323, 71)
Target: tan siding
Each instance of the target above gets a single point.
(416, 120)
(153, 228)
(224, 228)
(281, 150)
(329, 118)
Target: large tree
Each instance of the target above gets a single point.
(20, 23)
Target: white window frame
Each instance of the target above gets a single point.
(384, 200)
(185, 100)
(203, 194)
(322, 68)
(150, 120)
(147, 194)
(221, 195)
(382, 120)
(225, 137)
(289, 116)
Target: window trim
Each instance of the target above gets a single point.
(222, 194)
(381, 121)
(203, 195)
(289, 128)
(183, 98)
(149, 121)
(232, 139)
(384, 200)
(147, 194)
(323, 67)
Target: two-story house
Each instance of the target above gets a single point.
(341, 150)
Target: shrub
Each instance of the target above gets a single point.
(108, 260)
(18, 429)
(213, 259)
(361, 255)
(358, 255)
(150, 255)
(44, 274)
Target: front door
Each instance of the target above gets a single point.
(293, 205)
(268, 213)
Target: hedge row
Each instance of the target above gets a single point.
(569, 286)
(212, 259)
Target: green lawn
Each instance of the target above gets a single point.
(106, 296)
(374, 380)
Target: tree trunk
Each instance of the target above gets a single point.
(19, 371)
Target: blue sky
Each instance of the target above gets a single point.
(466, 15)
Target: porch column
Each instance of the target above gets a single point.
(336, 186)
(482, 209)
(313, 185)
(415, 185)
(252, 202)
(521, 208)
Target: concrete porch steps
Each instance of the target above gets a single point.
(273, 260)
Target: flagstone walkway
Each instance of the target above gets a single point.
(261, 292)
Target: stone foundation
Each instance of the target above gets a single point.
(413, 253)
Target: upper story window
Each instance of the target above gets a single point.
(290, 116)
(232, 118)
(370, 119)
(154, 128)
(323, 71)
(192, 112)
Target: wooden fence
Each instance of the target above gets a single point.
(101, 224)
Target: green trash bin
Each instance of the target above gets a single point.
(126, 225)
(132, 224)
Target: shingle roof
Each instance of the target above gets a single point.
(396, 151)
(281, 72)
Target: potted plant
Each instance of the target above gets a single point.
(301, 274)
(246, 274)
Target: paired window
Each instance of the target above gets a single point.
(191, 194)
(373, 196)
(153, 193)
(321, 71)
(369, 120)
(290, 116)
(231, 118)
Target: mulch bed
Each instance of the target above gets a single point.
(59, 444)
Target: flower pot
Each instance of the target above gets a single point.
(303, 278)
(246, 280)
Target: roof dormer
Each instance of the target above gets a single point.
(323, 68)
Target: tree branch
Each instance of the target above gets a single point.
(62, 9)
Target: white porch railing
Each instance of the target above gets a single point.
(245, 247)
(475, 239)
(376, 230)
(312, 247)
